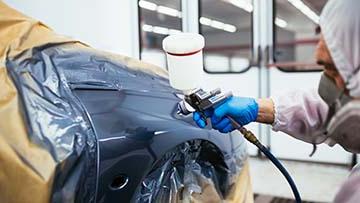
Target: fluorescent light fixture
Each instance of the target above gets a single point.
(205, 21)
(217, 24)
(243, 4)
(280, 22)
(160, 9)
(168, 11)
(229, 28)
(161, 30)
(174, 31)
(176, 13)
(147, 28)
(147, 5)
(300, 5)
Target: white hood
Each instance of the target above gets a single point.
(340, 26)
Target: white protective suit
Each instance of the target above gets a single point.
(303, 114)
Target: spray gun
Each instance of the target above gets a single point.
(201, 101)
(184, 56)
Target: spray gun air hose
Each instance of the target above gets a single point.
(252, 138)
(201, 101)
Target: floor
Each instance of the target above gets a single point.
(271, 199)
(316, 182)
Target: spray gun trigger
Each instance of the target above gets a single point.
(204, 118)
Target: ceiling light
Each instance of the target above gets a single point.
(176, 13)
(147, 28)
(205, 21)
(217, 24)
(280, 22)
(229, 28)
(243, 4)
(147, 5)
(174, 31)
(305, 10)
(160, 9)
(168, 11)
(161, 30)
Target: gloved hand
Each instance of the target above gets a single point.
(242, 110)
(199, 120)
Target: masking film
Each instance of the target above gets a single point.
(72, 119)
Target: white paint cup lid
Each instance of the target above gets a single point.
(183, 44)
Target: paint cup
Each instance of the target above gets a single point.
(184, 53)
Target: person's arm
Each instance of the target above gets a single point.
(301, 114)
(266, 111)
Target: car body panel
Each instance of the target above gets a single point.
(98, 118)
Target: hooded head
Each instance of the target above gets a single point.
(339, 51)
(339, 46)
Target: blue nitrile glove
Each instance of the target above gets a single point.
(199, 120)
(243, 110)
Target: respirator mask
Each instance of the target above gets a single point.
(342, 125)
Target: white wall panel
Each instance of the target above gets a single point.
(103, 24)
